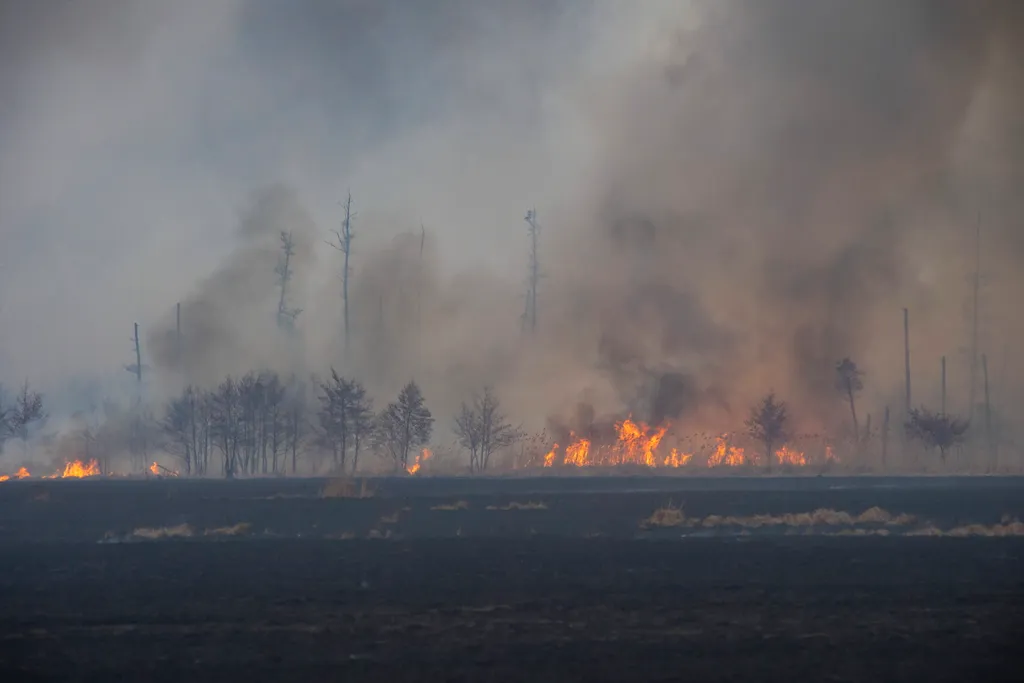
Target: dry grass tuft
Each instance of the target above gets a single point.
(664, 517)
(457, 505)
(153, 534)
(347, 487)
(234, 530)
(520, 506)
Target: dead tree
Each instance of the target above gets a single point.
(849, 381)
(767, 424)
(344, 245)
(482, 429)
(530, 314)
(936, 430)
(404, 425)
(285, 316)
(5, 419)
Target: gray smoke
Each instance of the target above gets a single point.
(734, 195)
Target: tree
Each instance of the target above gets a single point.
(26, 412)
(767, 424)
(295, 420)
(225, 408)
(335, 416)
(936, 430)
(5, 419)
(360, 414)
(187, 426)
(482, 429)
(404, 425)
(849, 381)
(285, 316)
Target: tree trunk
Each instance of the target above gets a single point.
(853, 413)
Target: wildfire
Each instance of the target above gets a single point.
(788, 456)
(677, 459)
(636, 444)
(154, 468)
(421, 458)
(79, 470)
(730, 456)
(22, 473)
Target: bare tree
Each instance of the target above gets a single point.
(296, 420)
(26, 413)
(482, 429)
(187, 427)
(936, 430)
(361, 417)
(285, 316)
(335, 418)
(404, 425)
(5, 419)
(344, 245)
(849, 381)
(226, 411)
(767, 424)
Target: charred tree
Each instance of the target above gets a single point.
(285, 315)
(849, 381)
(344, 245)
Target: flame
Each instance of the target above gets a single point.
(730, 456)
(22, 473)
(787, 456)
(677, 459)
(79, 470)
(421, 458)
(549, 459)
(578, 452)
(154, 468)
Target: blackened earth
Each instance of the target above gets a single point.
(487, 580)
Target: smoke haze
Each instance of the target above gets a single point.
(733, 196)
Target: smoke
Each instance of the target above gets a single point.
(733, 196)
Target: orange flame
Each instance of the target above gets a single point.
(80, 470)
(22, 473)
(578, 452)
(154, 468)
(549, 459)
(788, 456)
(677, 459)
(421, 458)
(730, 456)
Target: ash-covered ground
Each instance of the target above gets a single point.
(542, 579)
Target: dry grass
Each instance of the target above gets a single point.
(153, 534)
(347, 487)
(1008, 527)
(666, 516)
(239, 529)
(531, 505)
(457, 505)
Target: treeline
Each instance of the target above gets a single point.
(262, 424)
(20, 415)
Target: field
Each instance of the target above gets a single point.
(557, 579)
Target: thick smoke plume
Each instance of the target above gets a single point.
(733, 195)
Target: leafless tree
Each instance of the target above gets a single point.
(482, 429)
(5, 419)
(296, 420)
(936, 430)
(26, 413)
(226, 413)
(404, 425)
(187, 426)
(285, 316)
(850, 381)
(767, 424)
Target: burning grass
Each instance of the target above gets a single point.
(667, 516)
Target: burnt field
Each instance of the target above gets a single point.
(547, 579)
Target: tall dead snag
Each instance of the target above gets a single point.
(344, 245)
(906, 355)
(482, 429)
(885, 438)
(404, 425)
(767, 424)
(849, 381)
(285, 316)
(530, 314)
(936, 430)
(990, 442)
